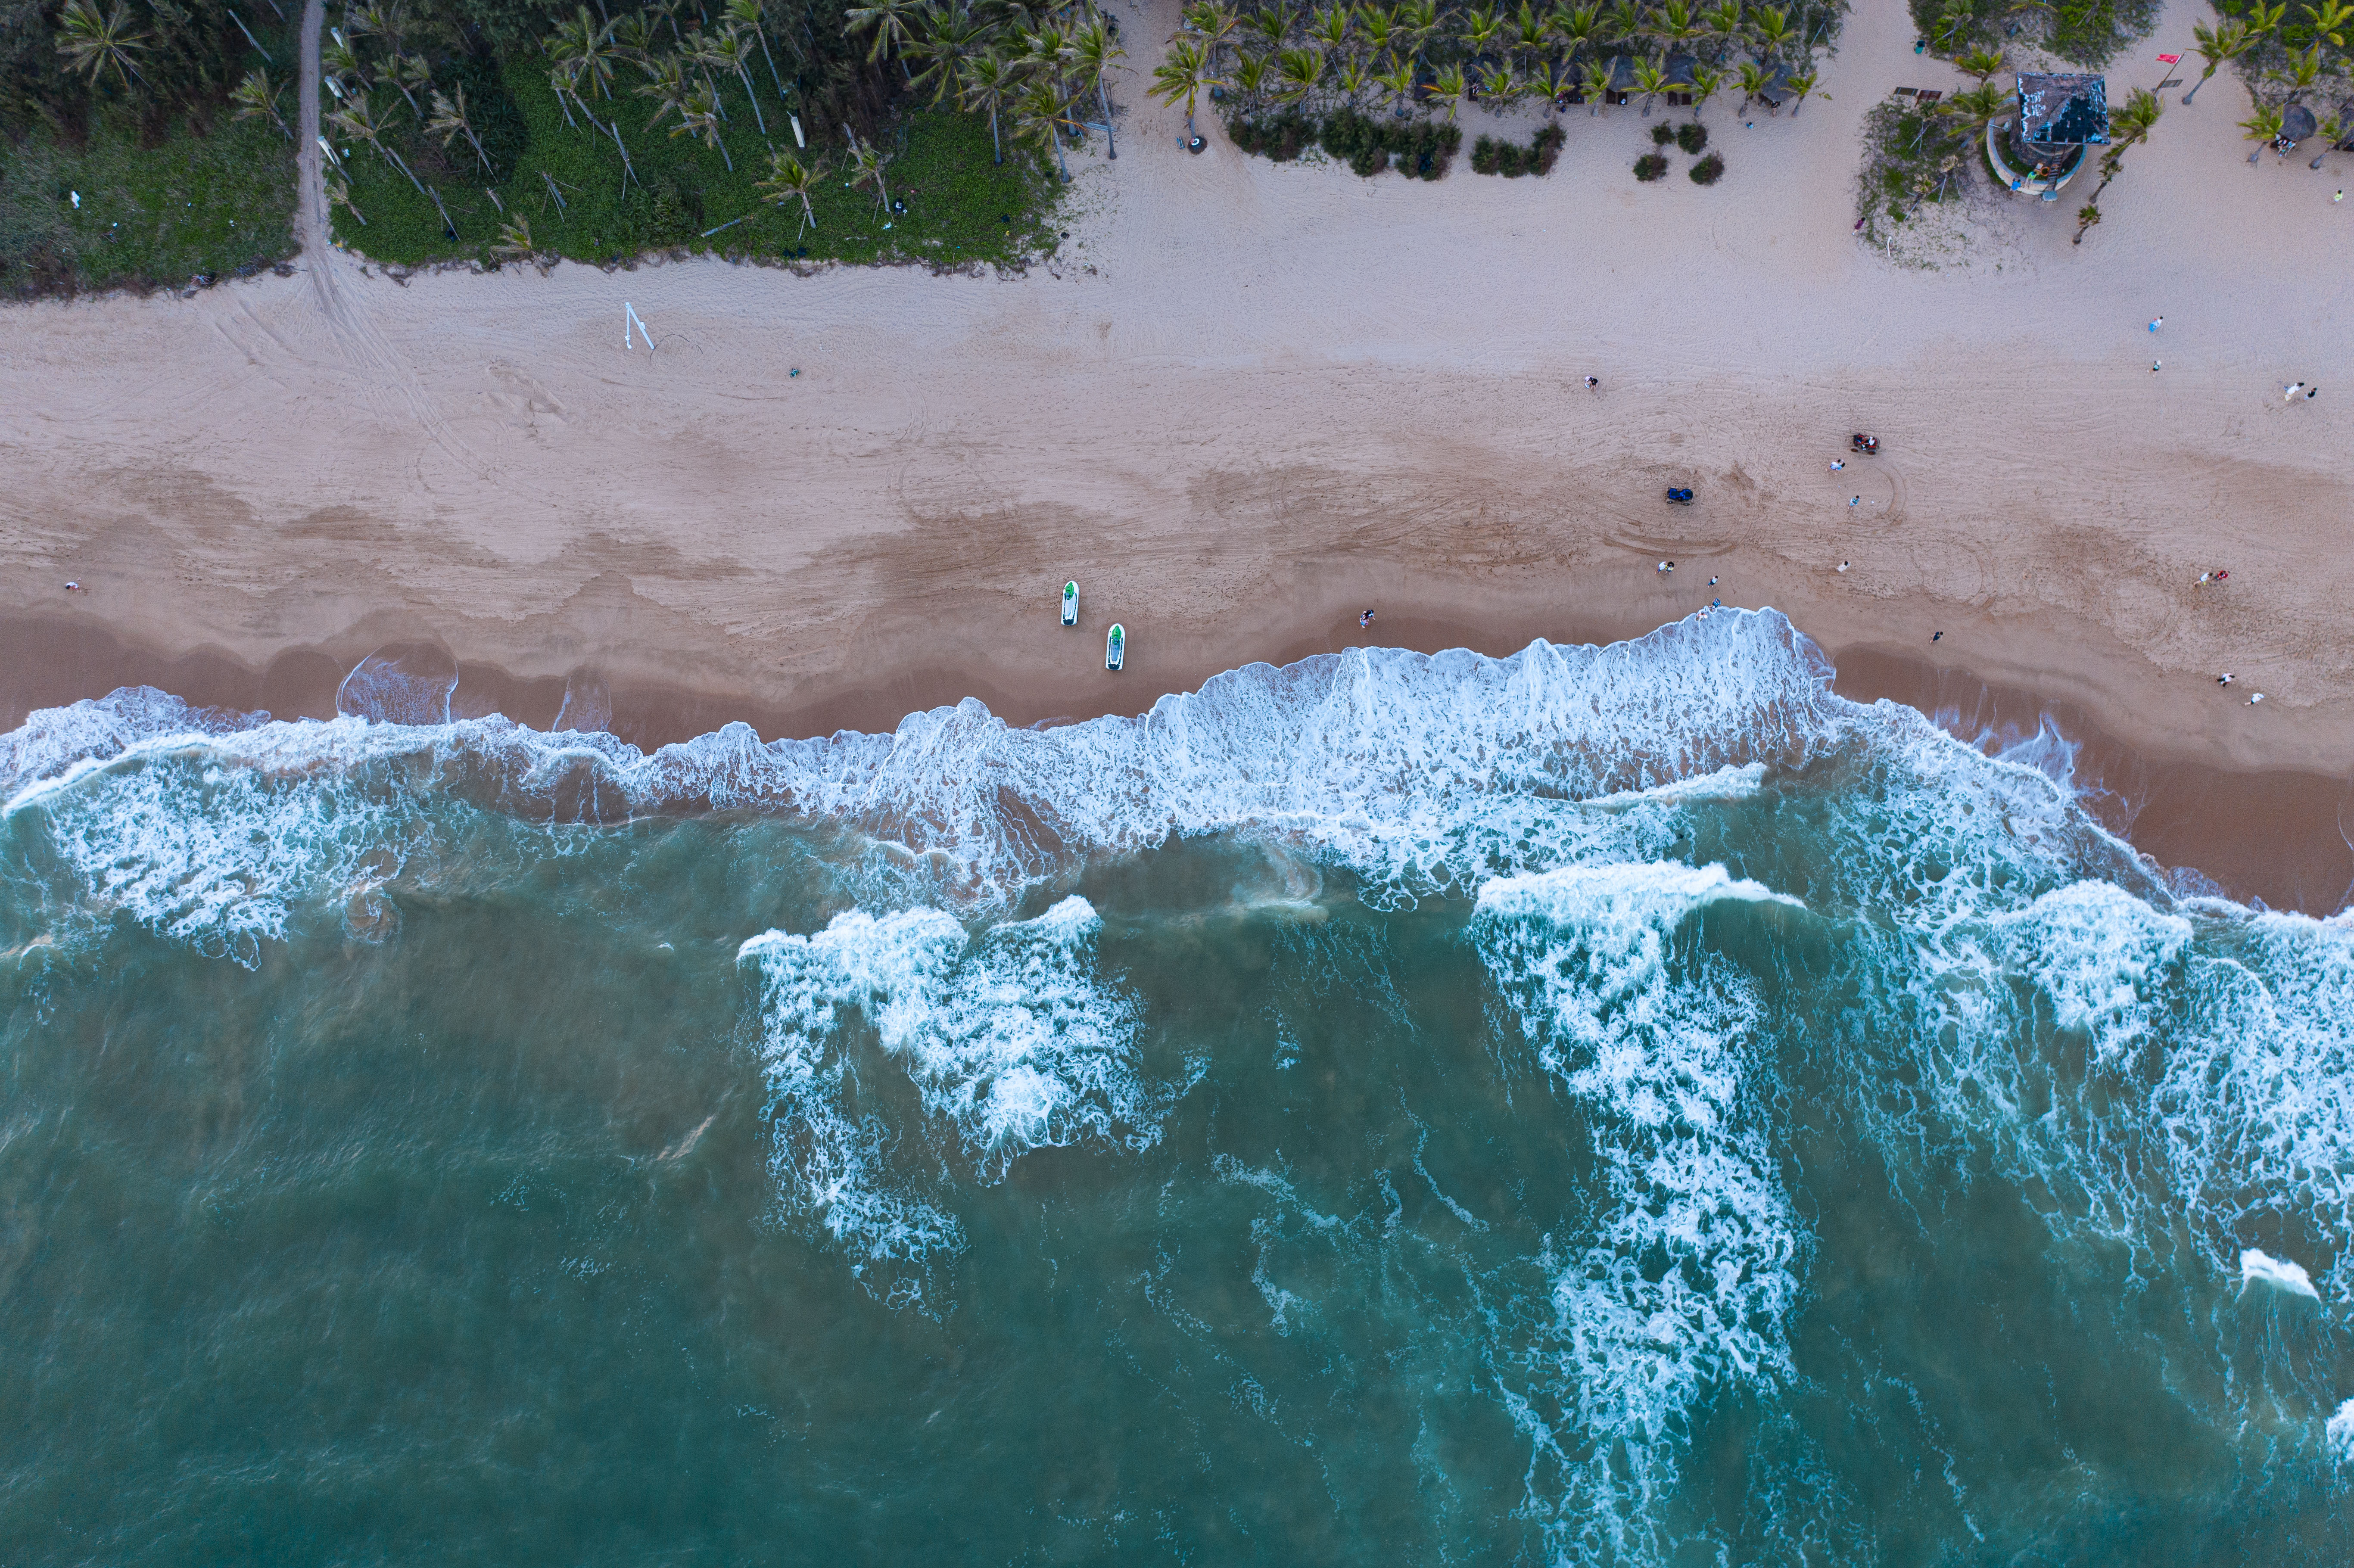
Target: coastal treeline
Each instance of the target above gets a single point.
(153, 141)
(126, 157)
(1378, 76)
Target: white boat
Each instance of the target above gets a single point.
(1070, 604)
(1116, 647)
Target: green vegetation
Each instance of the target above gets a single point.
(1421, 151)
(1276, 69)
(1652, 166)
(1510, 159)
(563, 192)
(1709, 170)
(649, 134)
(2086, 32)
(134, 114)
(490, 129)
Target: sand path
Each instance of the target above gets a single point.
(1246, 400)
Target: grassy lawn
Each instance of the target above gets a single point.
(212, 205)
(961, 208)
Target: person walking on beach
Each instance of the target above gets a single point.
(2156, 323)
(1838, 463)
(1857, 501)
(2224, 678)
(2154, 365)
(1840, 567)
(2289, 395)
(1364, 620)
(2311, 393)
(2254, 700)
(1592, 384)
(1666, 567)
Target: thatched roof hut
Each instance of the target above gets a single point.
(2059, 110)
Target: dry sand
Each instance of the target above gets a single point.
(1244, 402)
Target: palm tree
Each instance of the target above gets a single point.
(1705, 81)
(1040, 117)
(866, 166)
(1560, 80)
(1417, 25)
(407, 72)
(887, 19)
(1502, 88)
(1097, 55)
(1752, 76)
(2304, 70)
(788, 178)
(1724, 22)
(356, 120)
(2262, 127)
(1380, 26)
(2129, 126)
(2086, 216)
(450, 122)
(1481, 25)
(1980, 62)
(583, 49)
(746, 16)
(1398, 79)
(1675, 25)
(698, 115)
(257, 97)
(1529, 32)
(728, 52)
(1650, 81)
(952, 34)
(93, 42)
(1448, 88)
(1330, 27)
(2330, 23)
(667, 84)
(1299, 72)
(1183, 74)
(1801, 84)
(1979, 107)
(515, 243)
(1622, 23)
(990, 81)
(1771, 25)
(2218, 47)
(340, 194)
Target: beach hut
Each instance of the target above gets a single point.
(1778, 90)
(2345, 143)
(1679, 82)
(1620, 81)
(2061, 113)
(2297, 124)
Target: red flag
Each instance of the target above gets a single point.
(2169, 59)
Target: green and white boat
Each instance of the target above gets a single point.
(1116, 647)
(1070, 604)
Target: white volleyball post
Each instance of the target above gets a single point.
(630, 318)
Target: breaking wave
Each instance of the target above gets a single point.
(1012, 1041)
(2020, 990)
(1685, 1283)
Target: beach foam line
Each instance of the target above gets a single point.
(1425, 772)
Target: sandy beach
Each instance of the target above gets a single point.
(1244, 402)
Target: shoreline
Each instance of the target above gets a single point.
(2270, 834)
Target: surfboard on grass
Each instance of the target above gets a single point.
(1070, 604)
(1116, 648)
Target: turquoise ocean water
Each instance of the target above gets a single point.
(1614, 1105)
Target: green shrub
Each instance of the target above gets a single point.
(1357, 141)
(1650, 166)
(1691, 137)
(1483, 155)
(1709, 170)
(1545, 151)
(1662, 133)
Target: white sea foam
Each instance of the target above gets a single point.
(1013, 1040)
(2337, 1433)
(1686, 1284)
(2260, 1267)
(1422, 771)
